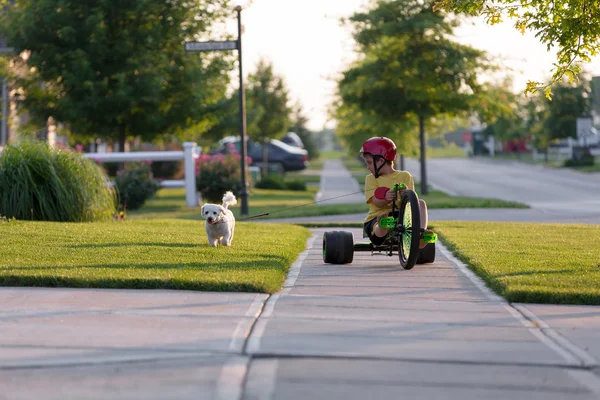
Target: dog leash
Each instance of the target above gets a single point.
(301, 205)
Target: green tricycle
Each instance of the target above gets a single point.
(404, 236)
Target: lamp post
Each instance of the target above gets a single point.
(244, 194)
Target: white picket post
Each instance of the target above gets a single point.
(191, 193)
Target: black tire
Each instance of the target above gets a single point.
(410, 230)
(338, 247)
(427, 254)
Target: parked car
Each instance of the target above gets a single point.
(293, 139)
(282, 157)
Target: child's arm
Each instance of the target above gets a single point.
(380, 203)
(383, 196)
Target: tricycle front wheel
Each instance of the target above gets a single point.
(409, 229)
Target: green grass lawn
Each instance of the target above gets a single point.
(165, 254)
(450, 150)
(590, 168)
(300, 177)
(170, 203)
(528, 262)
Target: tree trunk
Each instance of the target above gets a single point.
(423, 167)
(122, 136)
(265, 158)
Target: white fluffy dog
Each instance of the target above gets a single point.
(220, 222)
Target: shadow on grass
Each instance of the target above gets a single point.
(109, 245)
(263, 275)
(134, 283)
(524, 273)
(261, 263)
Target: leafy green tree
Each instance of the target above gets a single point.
(267, 100)
(268, 113)
(536, 114)
(411, 67)
(538, 117)
(117, 69)
(503, 112)
(572, 27)
(570, 101)
(355, 125)
(298, 123)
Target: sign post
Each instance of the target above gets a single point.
(584, 129)
(223, 46)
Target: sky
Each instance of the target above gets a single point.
(309, 48)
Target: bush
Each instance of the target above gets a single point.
(271, 181)
(44, 184)
(219, 173)
(296, 185)
(276, 182)
(135, 185)
(167, 169)
(586, 160)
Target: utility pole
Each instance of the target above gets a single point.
(233, 45)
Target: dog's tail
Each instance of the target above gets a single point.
(229, 199)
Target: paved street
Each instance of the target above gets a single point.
(363, 330)
(559, 190)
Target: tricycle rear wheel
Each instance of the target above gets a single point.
(338, 247)
(427, 254)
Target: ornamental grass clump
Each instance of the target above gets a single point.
(45, 184)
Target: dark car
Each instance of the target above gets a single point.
(281, 156)
(292, 139)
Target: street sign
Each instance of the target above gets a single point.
(208, 46)
(584, 127)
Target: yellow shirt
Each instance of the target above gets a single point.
(372, 183)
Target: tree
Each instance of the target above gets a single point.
(410, 68)
(571, 26)
(117, 69)
(354, 125)
(298, 123)
(267, 100)
(502, 112)
(570, 101)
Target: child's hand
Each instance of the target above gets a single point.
(390, 195)
(380, 192)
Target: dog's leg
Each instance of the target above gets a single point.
(230, 236)
(226, 240)
(213, 241)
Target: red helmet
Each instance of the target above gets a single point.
(379, 146)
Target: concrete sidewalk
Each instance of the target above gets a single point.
(364, 330)
(338, 186)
